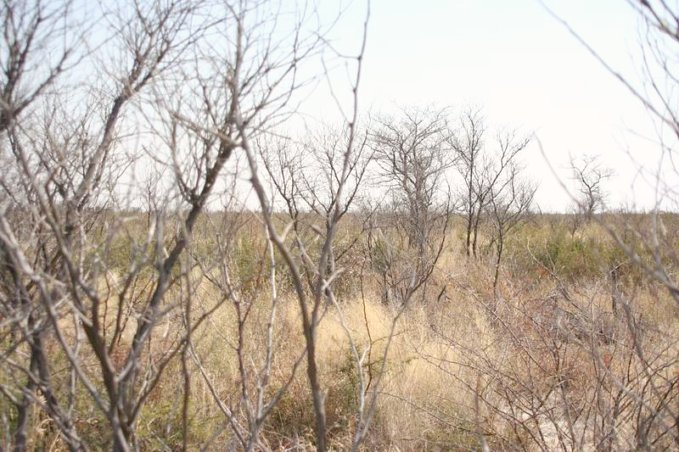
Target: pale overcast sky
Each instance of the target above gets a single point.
(524, 69)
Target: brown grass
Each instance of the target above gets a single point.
(461, 360)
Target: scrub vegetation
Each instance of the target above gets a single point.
(180, 271)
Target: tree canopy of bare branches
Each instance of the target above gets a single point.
(188, 85)
(413, 152)
(590, 176)
(485, 172)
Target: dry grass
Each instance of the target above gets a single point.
(449, 361)
(463, 363)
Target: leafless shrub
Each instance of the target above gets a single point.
(89, 284)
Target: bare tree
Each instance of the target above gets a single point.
(306, 176)
(190, 85)
(413, 152)
(509, 204)
(590, 176)
(312, 274)
(39, 43)
(483, 171)
(65, 166)
(468, 143)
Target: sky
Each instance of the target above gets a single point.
(524, 70)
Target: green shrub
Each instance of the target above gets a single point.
(565, 255)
